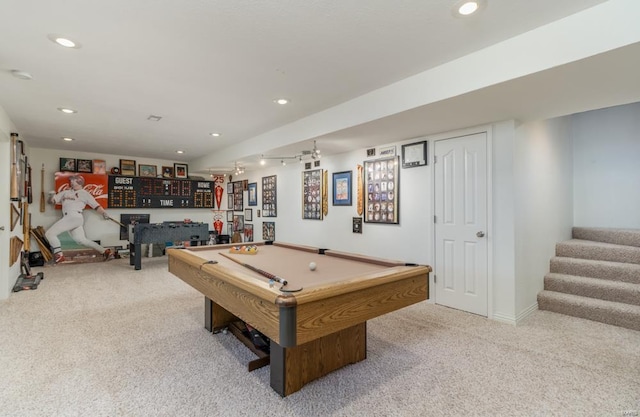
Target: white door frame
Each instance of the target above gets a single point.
(451, 135)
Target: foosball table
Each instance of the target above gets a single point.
(161, 233)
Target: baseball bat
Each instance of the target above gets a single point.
(115, 221)
(14, 168)
(42, 201)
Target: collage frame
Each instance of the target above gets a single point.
(381, 179)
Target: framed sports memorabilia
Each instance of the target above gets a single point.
(248, 214)
(147, 170)
(342, 188)
(180, 171)
(381, 190)
(312, 194)
(414, 154)
(84, 165)
(248, 232)
(253, 194)
(269, 196)
(128, 167)
(99, 166)
(68, 164)
(268, 231)
(167, 172)
(229, 215)
(238, 195)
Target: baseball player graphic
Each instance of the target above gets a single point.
(73, 201)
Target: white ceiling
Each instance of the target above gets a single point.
(216, 66)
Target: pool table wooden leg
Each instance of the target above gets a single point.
(216, 318)
(293, 367)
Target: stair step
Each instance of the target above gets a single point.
(628, 237)
(621, 292)
(614, 271)
(586, 249)
(609, 312)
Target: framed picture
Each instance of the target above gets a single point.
(68, 164)
(229, 215)
(414, 154)
(84, 165)
(248, 233)
(269, 196)
(99, 166)
(127, 167)
(253, 194)
(230, 228)
(230, 201)
(381, 190)
(312, 194)
(342, 188)
(147, 171)
(357, 225)
(248, 214)
(238, 223)
(268, 230)
(229, 188)
(238, 195)
(181, 171)
(167, 172)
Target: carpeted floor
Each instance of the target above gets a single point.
(106, 340)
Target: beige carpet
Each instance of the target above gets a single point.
(105, 340)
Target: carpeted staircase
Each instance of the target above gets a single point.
(596, 276)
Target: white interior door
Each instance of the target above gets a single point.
(461, 223)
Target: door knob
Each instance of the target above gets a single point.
(480, 234)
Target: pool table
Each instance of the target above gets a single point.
(316, 323)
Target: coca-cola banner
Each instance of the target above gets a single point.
(95, 184)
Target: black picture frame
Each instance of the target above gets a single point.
(68, 164)
(342, 188)
(312, 182)
(248, 214)
(229, 215)
(128, 167)
(84, 165)
(270, 196)
(268, 231)
(181, 171)
(414, 154)
(382, 195)
(248, 232)
(238, 195)
(357, 225)
(252, 194)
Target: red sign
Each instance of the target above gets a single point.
(95, 184)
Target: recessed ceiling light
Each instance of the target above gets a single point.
(23, 75)
(66, 110)
(215, 135)
(281, 101)
(67, 139)
(62, 41)
(464, 8)
(179, 151)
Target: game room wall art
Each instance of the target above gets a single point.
(381, 190)
(312, 194)
(269, 196)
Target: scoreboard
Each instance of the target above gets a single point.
(148, 192)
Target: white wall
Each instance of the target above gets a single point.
(607, 167)
(8, 273)
(409, 241)
(543, 164)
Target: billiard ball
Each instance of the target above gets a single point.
(312, 266)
